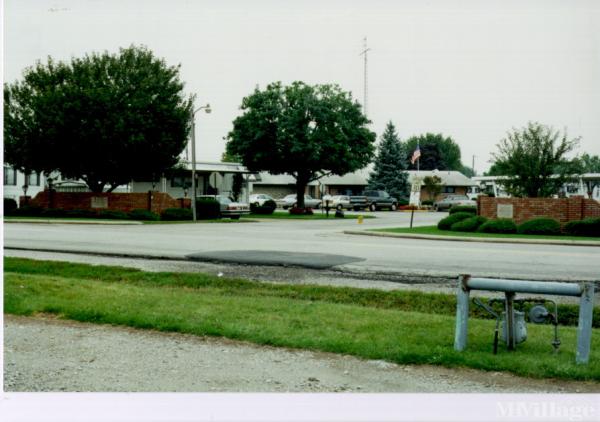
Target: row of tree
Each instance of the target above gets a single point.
(108, 119)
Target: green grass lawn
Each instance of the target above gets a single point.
(318, 215)
(433, 230)
(401, 327)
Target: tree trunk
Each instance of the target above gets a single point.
(301, 182)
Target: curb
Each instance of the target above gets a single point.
(55, 221)
(476, 239)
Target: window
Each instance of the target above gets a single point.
(181, 182)
(449, 189)
(10, 176)
(32, 179)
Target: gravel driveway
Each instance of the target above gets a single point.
(46, 354)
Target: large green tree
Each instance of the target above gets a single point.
(306, 131)
(104, 118)
(535, 160)
(437, 152)
(390, 164)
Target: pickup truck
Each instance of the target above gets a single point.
(379, 199)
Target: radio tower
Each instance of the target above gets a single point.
(364, 52)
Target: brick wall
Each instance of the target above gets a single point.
(561, 209)
(157, 203)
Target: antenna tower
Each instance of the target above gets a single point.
(364, 52)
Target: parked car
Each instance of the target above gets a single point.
(259, 199)
(289, 201)
(339, 202)
(451, 200)
(233, 210)
(379, 199)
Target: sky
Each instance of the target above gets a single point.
(470, 70)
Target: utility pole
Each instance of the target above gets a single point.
(364, 52)
(473, 166)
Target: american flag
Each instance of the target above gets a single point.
(415, 155)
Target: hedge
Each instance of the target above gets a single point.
(207, 209)
(468, 224)
(540, 225)
(463, 208)
(587, 227)
(446, 223)
(113, 215)
(142, 214)
(175, 214)
(268, 207)
(10, 206)
(501, 225)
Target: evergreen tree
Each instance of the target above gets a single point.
(390, 164)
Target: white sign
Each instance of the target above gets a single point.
(415, 192)
(99, 202)
(504, 211)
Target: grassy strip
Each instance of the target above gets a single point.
(393, 335)
(433, 230)
(316, 216)
(443, 304)
(217, 220)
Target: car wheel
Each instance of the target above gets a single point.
(339, 207)
(295, 206)
(394, 207)
(256, 204)
(235, 217)
(372, 207)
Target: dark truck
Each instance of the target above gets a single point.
(359, 202)
(379, 199)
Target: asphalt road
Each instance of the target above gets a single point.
(361, 254)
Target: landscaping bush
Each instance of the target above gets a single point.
(463, 208)
(53, 212)
(81, 213)
(468, 224)
(28, 211)
(403, 201)
(208, 209)
(446, 223)
(500, 225)
(142, 214)
(542, 225)
(301, 211)
(113, 215)
(176, 214)
(267, 208)
(587, 227)
(10, 206)
(427, 203)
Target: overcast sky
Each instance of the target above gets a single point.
(471, 70)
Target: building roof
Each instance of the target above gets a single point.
(449, 177)
(205, 166)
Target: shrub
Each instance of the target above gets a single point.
(427, 202)
(28, 211)
(142, 214)
(81, 213)
(113, 215)
(587, 227)
(268, 207)
(500, 225)
(208, 209)
(539, 226)
(301, 211)
(463, 208)
(53, 212)
(402, 201)
(176, 214)
(468, 224)
(10, 206)
(447, 222)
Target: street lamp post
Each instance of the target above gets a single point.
(207, 110)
